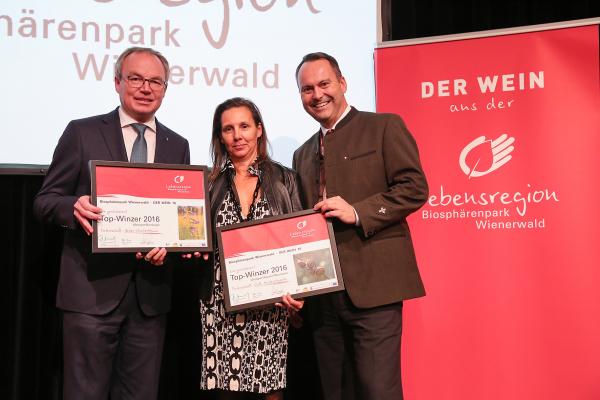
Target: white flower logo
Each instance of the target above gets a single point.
(301, 224)
(179, 179)
(482, 156)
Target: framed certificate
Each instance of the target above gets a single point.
(150, 205)
(265, 259)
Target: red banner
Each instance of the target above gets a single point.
(508, 243)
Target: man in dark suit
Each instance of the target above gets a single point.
(114, 305)
(363, 171)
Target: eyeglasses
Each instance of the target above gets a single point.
(137, 82)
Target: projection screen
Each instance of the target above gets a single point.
(58, 58)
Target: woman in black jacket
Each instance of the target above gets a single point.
(244, 351)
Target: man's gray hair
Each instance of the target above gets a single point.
(131, 50)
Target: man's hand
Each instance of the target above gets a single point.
(85, 211)
(293, 306)
(336, 207)
(156, 256)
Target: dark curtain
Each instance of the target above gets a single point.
(31, 349)
(422, 18)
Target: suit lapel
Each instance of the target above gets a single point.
(161, 153)
(312, 169)
(113, 136)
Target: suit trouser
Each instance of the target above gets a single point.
(358, 350)
(119, 353)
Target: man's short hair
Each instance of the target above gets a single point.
(320, 56)
(131, 50)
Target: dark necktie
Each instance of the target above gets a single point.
(139, 151)
(322, 190)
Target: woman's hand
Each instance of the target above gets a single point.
(156, 256)
(196, 254)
